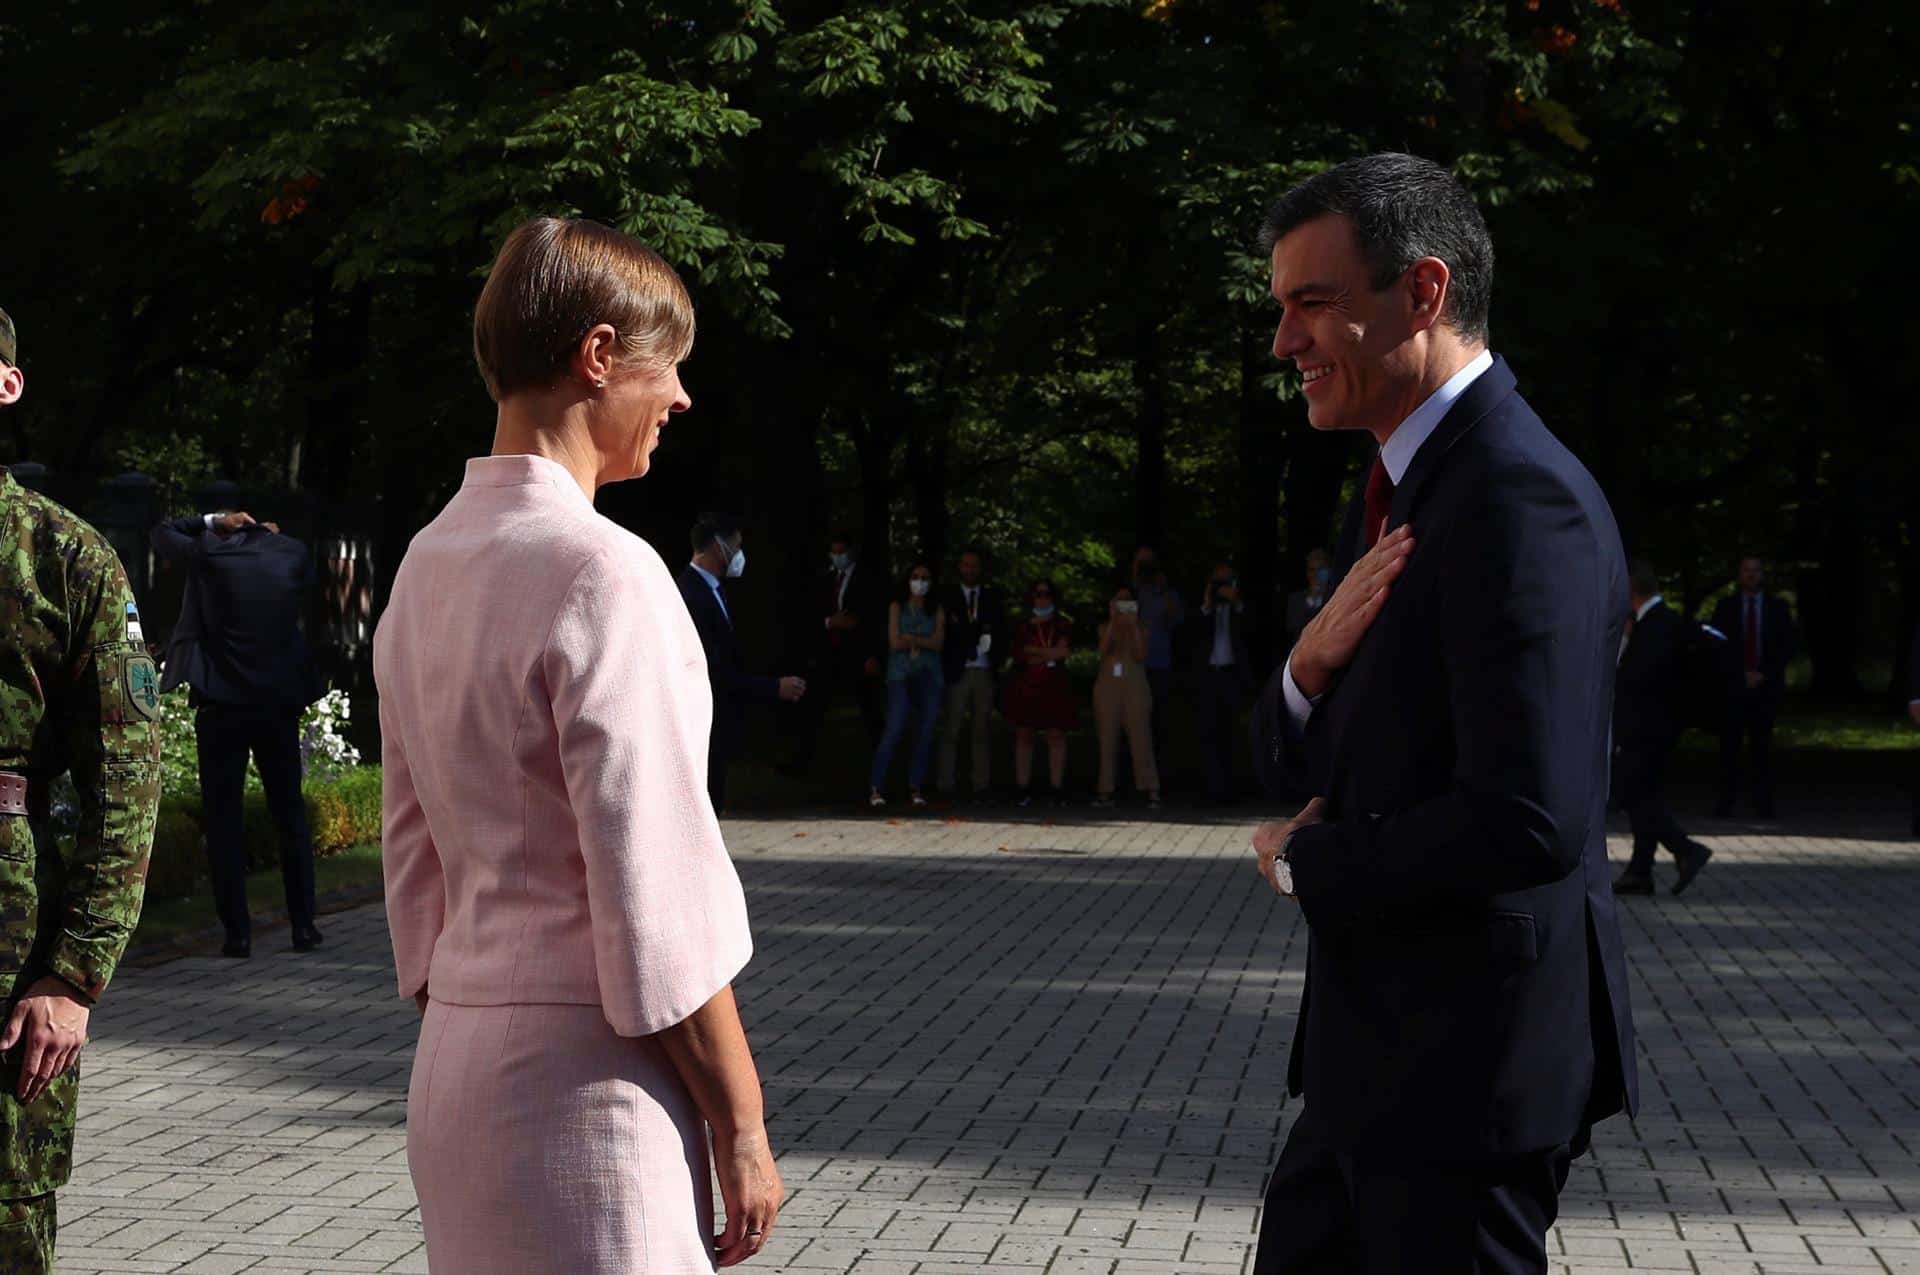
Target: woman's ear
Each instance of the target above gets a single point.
(597, 356)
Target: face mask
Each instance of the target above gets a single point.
(841, 561)
(1127, 608)
(1323, 576)
(737, 564)
(1043, 611)
(1143, 570)
(920, 588)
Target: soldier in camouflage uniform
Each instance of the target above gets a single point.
(77, 691)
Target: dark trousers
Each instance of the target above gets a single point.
(1331, 1212)
(1748, 719)
(1221, 694)
(226, 734)
(1640, 786)
(1160, 683)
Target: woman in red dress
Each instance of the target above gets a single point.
(1038, 696)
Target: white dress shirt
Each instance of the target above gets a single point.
(971, 595)
(1397, 454)
(713, 582)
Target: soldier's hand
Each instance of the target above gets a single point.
(792, 688)
(230, 523)
(50, 1024)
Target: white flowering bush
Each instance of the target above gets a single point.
(324, 750)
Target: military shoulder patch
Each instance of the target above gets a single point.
(133, 624)
(143, 686)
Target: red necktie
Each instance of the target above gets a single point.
(1753, 635)
(1379, 501)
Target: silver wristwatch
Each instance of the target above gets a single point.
(1283, 866)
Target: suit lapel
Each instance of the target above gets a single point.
(1481, 397)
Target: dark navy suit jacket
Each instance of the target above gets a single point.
(238, 640)
(733, 687)
(1466, 986)
(1648, 689)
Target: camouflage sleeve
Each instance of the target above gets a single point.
(112, 737)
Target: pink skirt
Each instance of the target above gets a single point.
(539, 1140)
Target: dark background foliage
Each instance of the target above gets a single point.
(980, 270)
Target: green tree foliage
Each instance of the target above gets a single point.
(982, 270)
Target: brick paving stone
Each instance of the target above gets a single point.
(1054, 1046)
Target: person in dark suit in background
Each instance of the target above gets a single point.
(976, 643)
(1465, 1020)
(1225, 674)
(719, 555)
(1913, 711)
(1304, 604)
(1760, 644)
(240, 647)
(849, 644)
(1647, 692)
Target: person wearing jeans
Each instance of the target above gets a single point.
(916, 629)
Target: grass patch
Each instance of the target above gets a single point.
(173, 920)
(1834, 728)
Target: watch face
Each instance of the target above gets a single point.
(1283, 873)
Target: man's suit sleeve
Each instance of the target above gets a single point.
(1788, 644)
(1647, 667)
(1286, 759)
(1519, 651)
(726, 678)
(178, 541)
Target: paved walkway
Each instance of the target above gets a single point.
(1053, 1047)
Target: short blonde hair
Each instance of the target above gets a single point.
(555, 279)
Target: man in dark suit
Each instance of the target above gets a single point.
(976, 643)
(240, 646)
(1759, 631)
(1225, 676)
(1646, 725)
(720, 555)
(850, 647)
(1465, 1020)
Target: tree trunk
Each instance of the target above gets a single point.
(1262, 448)
(1150, 471)
(336, 374)
(1830, 599)
(873, 444)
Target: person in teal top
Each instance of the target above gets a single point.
(916, 628)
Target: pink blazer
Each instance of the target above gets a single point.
(544, 711)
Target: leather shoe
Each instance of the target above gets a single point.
(306, 938)
(1632, 883)
(239, 949)
(1690, 865)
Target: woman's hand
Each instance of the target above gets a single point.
(751, 1190)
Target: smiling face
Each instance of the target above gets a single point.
(1353, 344)
(629, 415)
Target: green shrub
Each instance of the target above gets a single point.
(344, 811)
(178, 855)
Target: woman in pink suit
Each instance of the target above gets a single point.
(563, 909)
